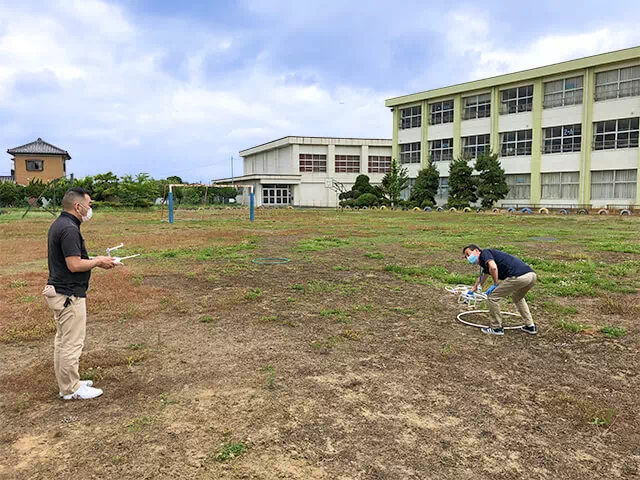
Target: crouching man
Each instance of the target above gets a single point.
(511, 277)
(66, 290)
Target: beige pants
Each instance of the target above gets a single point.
(70, 331)
(516, 287)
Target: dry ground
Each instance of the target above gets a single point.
(346, 363)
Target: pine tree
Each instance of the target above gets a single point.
(462, 185)
(394, 182)
(492, 185)
(425, 189)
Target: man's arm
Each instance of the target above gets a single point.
(479, 282)
(75, 264)
(493, 271)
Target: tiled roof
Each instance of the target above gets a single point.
(39, 147)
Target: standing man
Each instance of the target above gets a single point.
(511, 277)
(66, 291)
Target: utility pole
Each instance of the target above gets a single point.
(232, 170)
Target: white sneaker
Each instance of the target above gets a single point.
(88, 383)
(83, 393)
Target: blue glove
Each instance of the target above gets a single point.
(491, 289)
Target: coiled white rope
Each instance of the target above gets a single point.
(461, 314)
(471, 299)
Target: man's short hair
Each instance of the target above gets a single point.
(74, 195)
(473, 246)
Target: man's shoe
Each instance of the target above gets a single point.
(532, 330)
(493, 331)
(83, 393)
(88, 383)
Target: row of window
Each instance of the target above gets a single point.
(618, 83)
(607, 135)
(605, 185)
(317, 163)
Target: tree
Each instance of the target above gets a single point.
(394, 182)
(105, 187)
(492, 184)
(462, 186)
(361, 187)
(425, 189)
(139, 192)
(8, 194)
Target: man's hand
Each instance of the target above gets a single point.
(105, 262)
(491, 289)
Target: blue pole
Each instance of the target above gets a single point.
(170, 198)
(251, 206)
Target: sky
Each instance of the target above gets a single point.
(180, 87)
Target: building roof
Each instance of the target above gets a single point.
(302, 140)
(557, 68)
(39, 147)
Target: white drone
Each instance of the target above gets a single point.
(467, 296)
(118, 260)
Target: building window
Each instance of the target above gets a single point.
(623, 82)
(478, 106)
(441, 112)
(313, 162)
(411, 117)
(410, 152)
(517, 100)
(560, 185)
(443, 188)
(276, 195)
(519, 186)
(516, 143)
(613, 184)
(563, 92)
(35, 165)
(610, 134)
(562, 139)
(347, 163)
(441, 150)
(379, 164)
(475, 145)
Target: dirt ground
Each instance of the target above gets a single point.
(341, 364)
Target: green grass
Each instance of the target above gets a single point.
(572, 327)
(403, 311)
(18, 284)
(206, 319)
(375, 255)
(320, 243)
(140, 423)
(340, 316)
(230, 451)
(613, 332)
(254, 293)
(435, 272)
(557, 309)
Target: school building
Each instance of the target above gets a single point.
(566, 134)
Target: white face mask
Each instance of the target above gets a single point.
(88, 215)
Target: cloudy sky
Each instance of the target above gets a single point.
(179, 87)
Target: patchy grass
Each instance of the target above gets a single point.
(614, 332)
(254, 293)
(374, 255)
(140, 423)
(573, 327)
(207, 319)
(230, 451)
(320, 243)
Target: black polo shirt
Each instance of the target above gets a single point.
(508, 265)
(65, 241)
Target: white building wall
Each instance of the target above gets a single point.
(614, 159)
(617, 108)
(516, 121)
(560, 162)
(555, 117)
(409, 135)
(516, 164)
(476, 126)
(436, 132)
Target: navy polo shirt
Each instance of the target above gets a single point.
(64, 241)
(508, 265)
